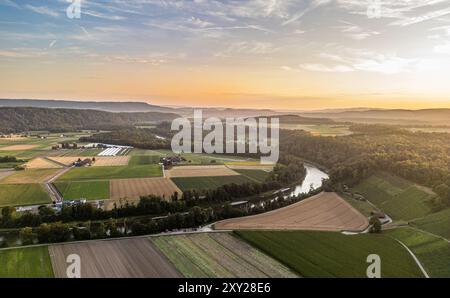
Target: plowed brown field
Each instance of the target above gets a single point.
(135, 188)
(127, 258)
(18, 147)
(325, 211)
(200, 171)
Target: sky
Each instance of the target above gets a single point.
(278, 54)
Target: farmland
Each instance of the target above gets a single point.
(22, 194)
(399, 198)
(106, 173)
(25, 263)
(42, 163)
(135, 188)
(325, 211)
(29, 176)
(138, 160)
(136, 258)
(218, 255)
(89, 190)
(200, 171)
(256, 175)
(329, 254)
(437, 223)
(205, 183)
(433, 252)
(99, 161)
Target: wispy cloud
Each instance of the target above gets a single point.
(43, 10)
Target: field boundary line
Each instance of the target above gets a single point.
(424, 272)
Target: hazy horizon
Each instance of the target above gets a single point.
(267, 54)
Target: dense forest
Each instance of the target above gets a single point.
(18, 119)
(423, 158)
(143, 138)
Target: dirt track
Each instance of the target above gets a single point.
(325, 211)
(18, 147)
(200, 171)
(106, 161)
(41, 163)
(127, 258)
(135, 188)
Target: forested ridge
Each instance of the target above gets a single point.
(19, 119)
(423, 158)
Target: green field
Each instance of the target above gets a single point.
(436, 223)
(328, 254)
(205, 183)
(25, 263)
(432, 252)
(89, 190)
(107, 173)
(81, 152)
(256, 175)
(138, 160)
(218, 255)
(399, 198)
(22, 195)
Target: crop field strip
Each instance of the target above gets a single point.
(89, 190)
(432, 252)
(135, 188)
(256, 175)
(103, 161)
(332, 254)
(400, 199)
(437, 223)
(200, 171)
(42, 163)
(31, 262)
(325, 211)
(107, 173)
(31, 176)
(218, 255)
(205, 183)
(23, 194)
(126, 258)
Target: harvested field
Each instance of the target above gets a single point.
(6, 173)
(200, 171)
(111, 161)
(18, 147)
(325, 212)
(99, 161)
(30, 176)
(218, 255)
(135, 188)
(128, 258)
(41, 163)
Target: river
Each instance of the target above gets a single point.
(313, 180)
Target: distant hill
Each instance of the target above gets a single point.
(393, 116)
(109, 106)
(21, 119)
(296, 119)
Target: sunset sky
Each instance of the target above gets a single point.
(280, 54)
